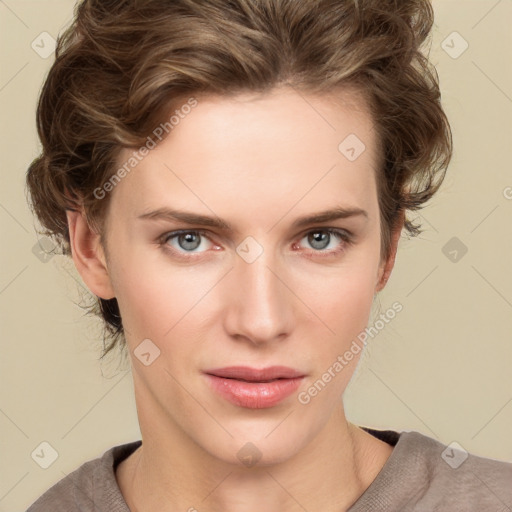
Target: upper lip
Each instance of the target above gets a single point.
(255, 374)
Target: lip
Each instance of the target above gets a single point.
(254, 388)
(254, 374)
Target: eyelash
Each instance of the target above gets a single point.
(346, 236)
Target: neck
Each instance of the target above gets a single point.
(171, 473)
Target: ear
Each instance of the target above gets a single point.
(387, 267)
(88, 255)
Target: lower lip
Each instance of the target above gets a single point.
(254, 395)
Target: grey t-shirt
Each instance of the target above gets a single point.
(420, 475)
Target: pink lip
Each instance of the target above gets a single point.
(254, 388)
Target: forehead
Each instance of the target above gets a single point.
(258, 151)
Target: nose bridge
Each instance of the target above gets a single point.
(260, 308)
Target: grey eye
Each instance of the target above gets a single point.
(319, 239)
(189, 241)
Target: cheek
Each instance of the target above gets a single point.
(155, 295)
(346, 308)
(342, 296)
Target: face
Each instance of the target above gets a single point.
(262, 288)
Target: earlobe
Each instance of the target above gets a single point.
(88, 255)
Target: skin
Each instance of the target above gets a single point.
(258, 162)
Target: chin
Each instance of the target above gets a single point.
(258, 447)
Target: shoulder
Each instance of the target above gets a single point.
(457, 478)
(423, 474)
(92, 486)
(63, 495)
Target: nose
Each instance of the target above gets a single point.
(260, 306)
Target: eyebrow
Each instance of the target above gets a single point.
(166, 213)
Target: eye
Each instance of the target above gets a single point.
(320, 239)
(185, 241)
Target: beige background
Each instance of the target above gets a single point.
(441, 367)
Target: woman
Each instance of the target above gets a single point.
(231, 180)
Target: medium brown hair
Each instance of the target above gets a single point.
(122, 65)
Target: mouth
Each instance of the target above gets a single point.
(247, 374)
(247, 380)
(254, 388)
